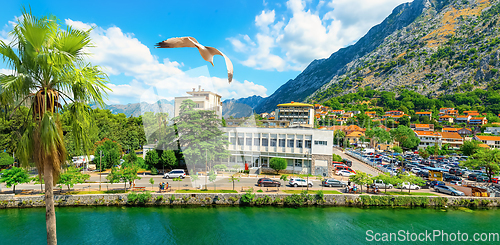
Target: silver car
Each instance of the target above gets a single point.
(448, 190)
(176, 173)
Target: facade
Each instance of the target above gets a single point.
(491, 141)
(492, 130)
(428, 138)
(422, 127)
(446, 129)
(463, 119)
(306, 150)
(355, 137)
(296, 113)
(256, 123)
(427, 114)
(446, 118)
(478, 121)
(371, 114)
(205, 100)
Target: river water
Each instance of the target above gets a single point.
(243, 225)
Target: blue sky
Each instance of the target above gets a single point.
(269, 42)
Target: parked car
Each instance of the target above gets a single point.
(448, 190)
(459, 172)
(494, 180)
(406, 186)
(267, 182)
(345, 173)
(296, 182)
(347, 162)
(482, 178)
(381, 185)
(472, 177)
(466, 174)
(435, 183)
(176, 173)
(449, 177)
(333, 183)
(456, 182)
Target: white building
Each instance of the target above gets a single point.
(205, 100)
(306, 150)
(492, 130)
(491, 141)
(429, 138)
(298, 114)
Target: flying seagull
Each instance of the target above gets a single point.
(206, 52)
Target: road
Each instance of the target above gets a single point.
(356, 164)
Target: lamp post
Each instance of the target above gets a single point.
(307, 158)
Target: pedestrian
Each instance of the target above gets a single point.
(349, 182)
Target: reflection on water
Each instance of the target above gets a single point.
(233, 225)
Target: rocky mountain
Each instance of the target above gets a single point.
(138, 109)
(243, 107)
(429, 46)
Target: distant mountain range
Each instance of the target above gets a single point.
(237, 108)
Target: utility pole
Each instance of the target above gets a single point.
(310, 166)
(100, 169)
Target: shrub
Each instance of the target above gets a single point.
(141, 198)
(154, 171)
(247, 198)
(260, 191)
(293, 200)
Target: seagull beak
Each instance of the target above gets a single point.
(212, 63)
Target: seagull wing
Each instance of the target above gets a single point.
(178, 42)
(229, 65)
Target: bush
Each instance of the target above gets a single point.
(247, 198)
(293, 200)
(260, 191)
(154, 171)
(141, 198)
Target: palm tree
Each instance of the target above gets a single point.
(49, 69)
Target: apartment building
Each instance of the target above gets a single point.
(478, 121)
(298, 114)
(205, 100)
(422, 127)
(463, 119)
(491, 141)
(429, 138)
(427, 114)
(306, 150)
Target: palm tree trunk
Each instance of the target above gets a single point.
(50, 213)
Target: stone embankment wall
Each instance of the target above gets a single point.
(258, 199)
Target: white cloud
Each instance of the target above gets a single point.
(301, 34)
(6, 71)
(121, 53)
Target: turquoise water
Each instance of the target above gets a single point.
(235, 225)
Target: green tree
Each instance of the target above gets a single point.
(361, 179)
(470, 147)
(339, 137)
(168, 159)
(72, 176)
(404, 120)
(397, 149)
(151, 158)
(277, 164)
(234, 178)
(14, 176)
(377, 135)
(111, 152)
(114, 176)
(131, 157)
(487, 158)
(212, 177)
(129, 174)
(6, 159)
(152, 182)
(412, 179)
(50, 68)
(336, 158)
(198, 133)
(405, 137)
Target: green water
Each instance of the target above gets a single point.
(235, 225)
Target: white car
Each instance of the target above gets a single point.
(296, 182)
(345, 173)
(415, 170)
(407, 186)
(176, 173)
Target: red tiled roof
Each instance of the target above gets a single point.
(488, 138)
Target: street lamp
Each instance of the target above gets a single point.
(307, 158)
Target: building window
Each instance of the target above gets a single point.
(299, 143)
(256, 142)
(290, 143)
(265, 142)
(240, 140)
(282, 143)
(232, 141)
(320, 142)
(273, 142)
(308, 144)
(249, 141)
